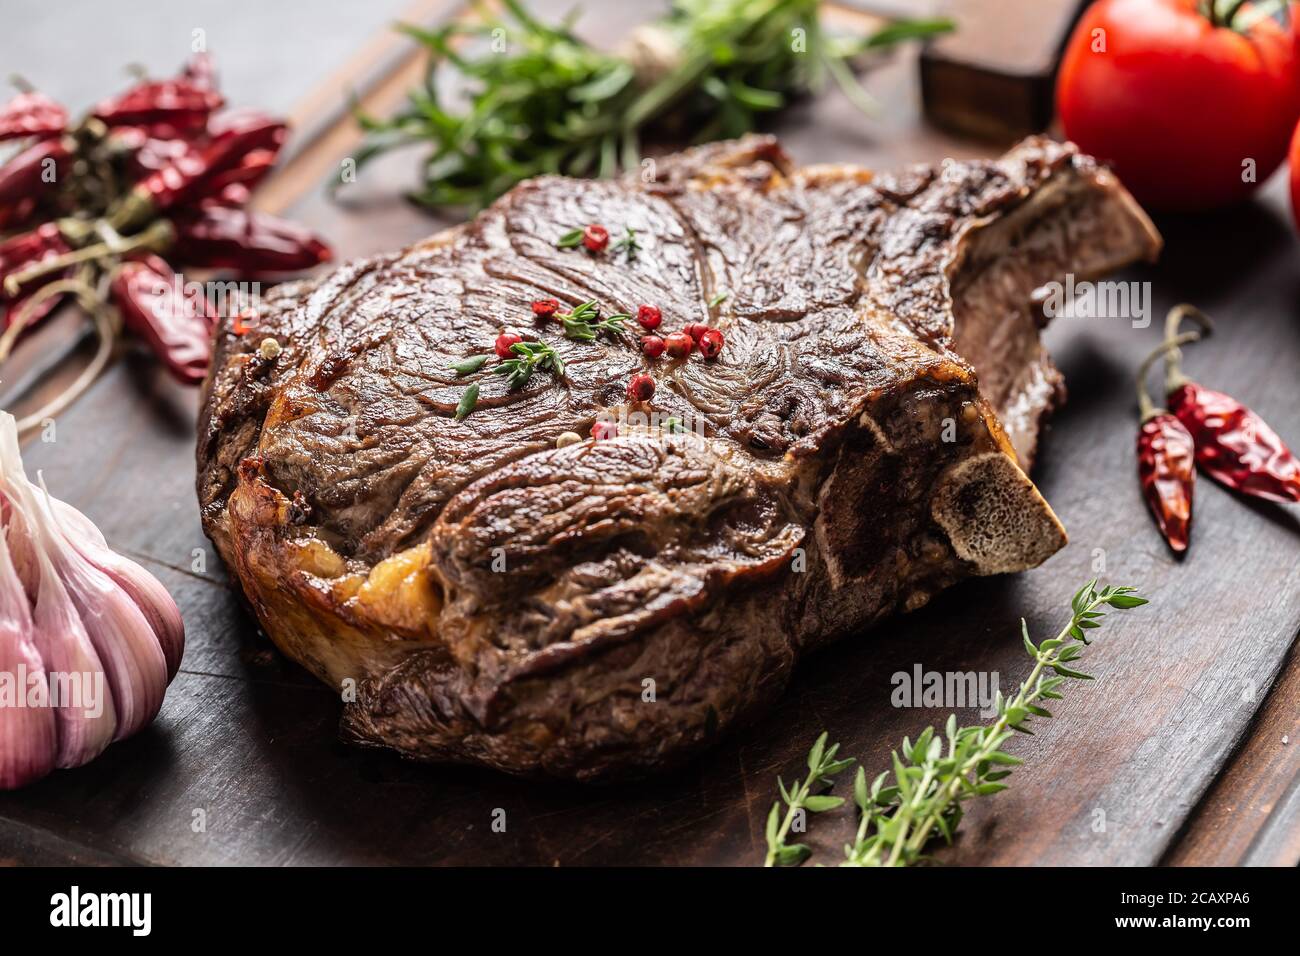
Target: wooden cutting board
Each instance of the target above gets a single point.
(1175, 753)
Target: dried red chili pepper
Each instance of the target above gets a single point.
(193, 169)
(16, 215)
(1167, 470)
(31, 114)
(145, 153)
(1166, 462)
(33, 170)
(252, 243)
(155, 307)
(179, 103)
(28, 249)
(1234, 445)
(233, 195)
(189, 175)
(250, 171)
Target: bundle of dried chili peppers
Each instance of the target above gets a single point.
(106, 211)
(1229, 441)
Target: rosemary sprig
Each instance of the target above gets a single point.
(584, 321)
(934, 776)
(551, 103)
(822, 766)
(531, 355)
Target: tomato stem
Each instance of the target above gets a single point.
(1228, 18)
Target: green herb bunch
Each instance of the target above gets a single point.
(541, 100)
(933, 776)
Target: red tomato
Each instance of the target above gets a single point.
(1295, 176)
(1178, 105)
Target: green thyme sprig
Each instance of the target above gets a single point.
(934, 776)
(628, 244)
(822, 766)
(531, 355)
(584, 321)
(548, 102)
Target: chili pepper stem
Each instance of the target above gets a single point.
(104, 330)
(18, 320)
(1174, 376)
(156, 238)
(103, 354)
(133, 209)
(1146, 408)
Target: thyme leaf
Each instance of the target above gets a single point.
(570, 240)
(469, 366)
(467, 402)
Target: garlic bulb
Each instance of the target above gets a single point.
(27, 736)
(102, 633)
(85, 717)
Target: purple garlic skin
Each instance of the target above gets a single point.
(119, 631)
(28, 738)
(87, 723)
(144, 589)
(97, 634)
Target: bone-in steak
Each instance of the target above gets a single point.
(609, 607)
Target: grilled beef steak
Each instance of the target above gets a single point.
(608, 607)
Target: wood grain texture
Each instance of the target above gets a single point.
(1249, 817)
(243, 765)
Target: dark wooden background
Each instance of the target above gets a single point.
(1177, 753)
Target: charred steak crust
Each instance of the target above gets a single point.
(608, 608)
